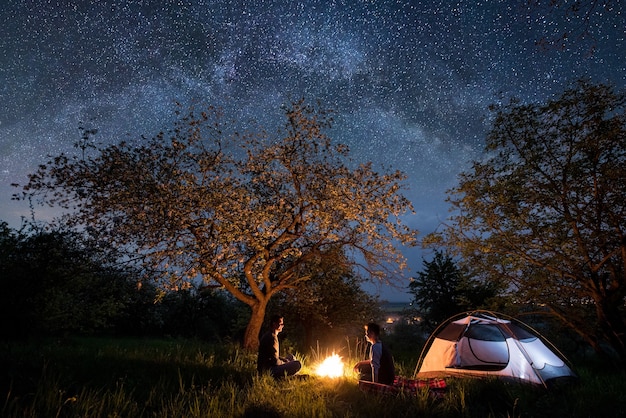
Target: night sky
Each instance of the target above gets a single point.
(410, 81)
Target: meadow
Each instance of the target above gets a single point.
(102, 377)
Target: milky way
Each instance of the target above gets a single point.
(410, 81)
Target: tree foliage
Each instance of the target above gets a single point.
(245, 212)
(441, 290)
(54, 284)
(331, 305)
(434, 290)
(546, 209)
(580, 19)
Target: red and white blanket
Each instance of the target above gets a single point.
(436, 387)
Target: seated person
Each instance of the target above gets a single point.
(379, 368)
(269, 350)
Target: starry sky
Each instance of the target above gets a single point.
(410, 80)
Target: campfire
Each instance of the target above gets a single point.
(332, 366)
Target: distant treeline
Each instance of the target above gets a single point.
(61, 283)
(54, 284)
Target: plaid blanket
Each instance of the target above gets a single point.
(436, 387)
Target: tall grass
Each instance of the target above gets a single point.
(159, 378)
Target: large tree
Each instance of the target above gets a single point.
(245, 212)
(545, 209)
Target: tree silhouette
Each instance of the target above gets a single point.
(54, 283)
(579, 21)
(442, 290)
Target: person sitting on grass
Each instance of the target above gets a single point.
(379, 368)
(269, 353)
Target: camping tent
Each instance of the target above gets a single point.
(483, 343)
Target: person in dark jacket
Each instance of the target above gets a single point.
(379, 368)
(269, 358)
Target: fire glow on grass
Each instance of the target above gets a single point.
(332, 366)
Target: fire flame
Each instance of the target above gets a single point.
(332, 366)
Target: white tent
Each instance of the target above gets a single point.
(482, 343)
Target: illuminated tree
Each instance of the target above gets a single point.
(545, 209)
(240, 212)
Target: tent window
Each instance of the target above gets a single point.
(520, 333)
(452, 332)
(485, 332)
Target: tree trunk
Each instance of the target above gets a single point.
(251, 337)
(308, 333)
(612, 324)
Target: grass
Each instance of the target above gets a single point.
(169, 378)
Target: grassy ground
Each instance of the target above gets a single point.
(154, 378)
